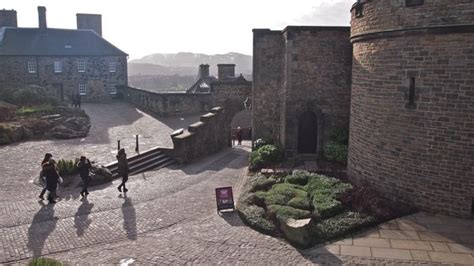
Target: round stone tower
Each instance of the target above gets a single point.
(412, 102)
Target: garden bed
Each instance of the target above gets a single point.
(309, 209)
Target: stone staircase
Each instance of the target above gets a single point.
(148, 160)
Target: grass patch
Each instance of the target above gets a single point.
(29, 110)
(44, 262)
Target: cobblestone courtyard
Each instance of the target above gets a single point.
(169, 215)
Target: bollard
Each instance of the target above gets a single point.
(136, 145)
(118, 145)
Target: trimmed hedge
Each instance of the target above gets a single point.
(298, 178)
(254, 217)
(284, 212)
(343, 224)
(261, 182)
(323, 193)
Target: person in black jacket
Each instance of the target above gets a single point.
(84, 165)
(52, 179)
(122, 165)
(45, 161)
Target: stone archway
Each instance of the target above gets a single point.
(308, 133)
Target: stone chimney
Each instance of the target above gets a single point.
(42, 17)
(225, 71)
(89, 22)
(203, 71)
(8, 18)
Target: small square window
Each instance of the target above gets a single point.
(81, 65)
(31, 66)
(112, 89)
(58, 67)
(112, 67)
(359, 11)
(82, 89)
(410, 3)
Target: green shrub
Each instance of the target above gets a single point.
(261, 142)
(340, 225)
(324, 192)
(28, 95)
(254, 217)
(300, 203)
(44, 262)
(284, 212)
(281, 194)
(66, 167)
(298, 178)
(265, 155)
(28, 110)
(336, 152)
(261, 182)
(339, 135)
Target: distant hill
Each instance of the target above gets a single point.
(186, 64)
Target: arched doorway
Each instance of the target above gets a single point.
(307, 133)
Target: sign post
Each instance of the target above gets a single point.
(224, 198)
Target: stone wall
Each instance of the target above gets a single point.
(201, 138)
(268, 67)
(415, 148)
(167, 104)
(300, 70)
(96, 76)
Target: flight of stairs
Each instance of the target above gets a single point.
(151, 159)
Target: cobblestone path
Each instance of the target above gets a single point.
(110, 122)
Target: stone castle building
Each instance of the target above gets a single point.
(409, 89)
(65, 61)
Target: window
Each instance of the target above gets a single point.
(359, 11)
(31, 66)
(82, 89)
(112, 67)
(410, 3)
(112, 89)
(81, 65)
(411, 94)
(58, 67)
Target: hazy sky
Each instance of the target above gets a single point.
(168, 26)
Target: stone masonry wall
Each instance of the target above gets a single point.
(381, 15)
(420, 153)
(201, 138)
(167, 104)
(268, 67)
(96, 76)
(317, 79)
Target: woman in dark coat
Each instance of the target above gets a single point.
(52, 179)
(83, 166)
(122, 165)
(45, 161)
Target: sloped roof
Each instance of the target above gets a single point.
(54, 42)
(202, 85)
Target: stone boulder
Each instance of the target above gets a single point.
(298, 232)
(72, 127)
(101, 175)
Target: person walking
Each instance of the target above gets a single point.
(52, 179)
(84, 165)
(239, 136)
(47, 156)
(122, 165)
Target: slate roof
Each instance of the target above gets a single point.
(54, 42)
(202, 85)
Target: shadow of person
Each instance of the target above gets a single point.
(129, 218)
(42, 226)
(81, 219)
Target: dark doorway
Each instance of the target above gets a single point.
(58, 89)
(307, 133)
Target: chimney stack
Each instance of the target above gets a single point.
(42, 17)
(8, 18)
(89, 22)
(203, 71)
(225, 71)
